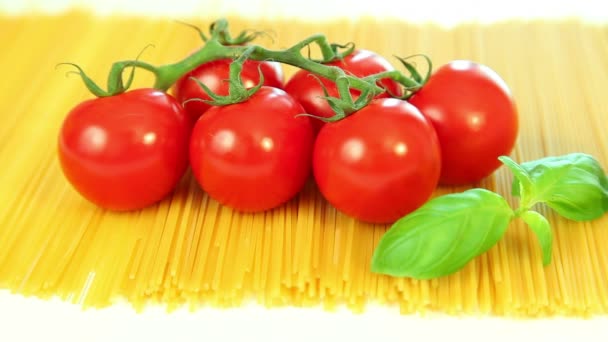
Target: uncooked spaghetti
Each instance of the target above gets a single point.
(190, 251)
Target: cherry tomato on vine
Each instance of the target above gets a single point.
(127, 151)
(215, 75)
(253, 155)
(307, 90)
(475, 117)
(379, 163)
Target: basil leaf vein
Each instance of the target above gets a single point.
(443, 235)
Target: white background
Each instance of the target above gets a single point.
(444, 12)
(28, 319)
(25, 319)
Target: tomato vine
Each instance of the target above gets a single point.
(220, 44)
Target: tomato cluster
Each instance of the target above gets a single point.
(127, 151)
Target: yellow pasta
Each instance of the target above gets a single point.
(190, 251)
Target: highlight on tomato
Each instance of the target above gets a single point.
(254, 155)
(308, 89)
(216, 76)
(475, 117)
(379, 163)
(127, 151)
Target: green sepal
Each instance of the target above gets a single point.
(200, 32)
(415, 75)
(237, 92)
(219, 30)
(336, 104)
(411, 68)
(88, 82)
(347, 49)
(116, 84)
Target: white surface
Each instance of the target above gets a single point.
(444, 12)
(33, 320)
(26, 319)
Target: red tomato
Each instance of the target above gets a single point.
(215, 75)
(254, 155)
(127, 151)
(379, 163)
(475, 117)
(306, 89)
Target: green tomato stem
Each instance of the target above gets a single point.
(167, 75)
(221, 44)
(409, 83)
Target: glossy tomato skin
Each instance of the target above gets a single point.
(255, 155)
(475, 117)
(379, 163)
(125, 152)
(307, 89)
(215, 75)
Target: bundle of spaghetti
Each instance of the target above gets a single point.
(190, 251)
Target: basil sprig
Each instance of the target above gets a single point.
(573, 185)
(447, 232)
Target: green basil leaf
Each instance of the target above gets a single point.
(522, 184)
(574, 185)
(540, 226)
(443, 235)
